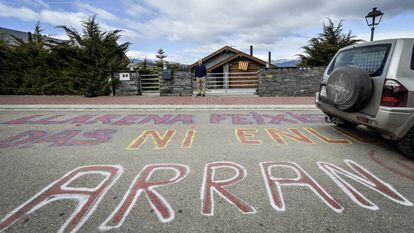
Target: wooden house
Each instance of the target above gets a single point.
(238, 67)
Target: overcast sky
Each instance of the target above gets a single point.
(191, 29)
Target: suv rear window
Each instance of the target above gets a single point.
(371, 58)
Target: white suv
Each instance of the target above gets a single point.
(372, 84)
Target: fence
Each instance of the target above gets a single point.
(266, 82)
(150, 83)
(241, 81)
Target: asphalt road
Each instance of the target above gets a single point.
(198, 171)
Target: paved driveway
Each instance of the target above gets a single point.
(198, 171)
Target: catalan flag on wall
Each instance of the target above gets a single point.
(243, 65)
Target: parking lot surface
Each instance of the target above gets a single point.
(198, 171)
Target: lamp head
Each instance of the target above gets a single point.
(372, 16)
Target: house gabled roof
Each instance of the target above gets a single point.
(224, 62)
(9, 34)
(238, 53)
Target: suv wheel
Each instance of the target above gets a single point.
(406, 144)
(349, 88)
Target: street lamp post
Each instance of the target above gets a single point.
(371, 20)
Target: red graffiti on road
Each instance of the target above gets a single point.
(262, 119)
(403, 165)
(160, 142)
(188, 138)
(248, 136)
(141, 185)
(114, 119)
(62, 138)
(294, 134)
(364, 177)
(211, 185)
(303, 179)
(88, 198)
(170, 119)
(22, 140)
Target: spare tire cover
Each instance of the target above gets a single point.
(349, 88)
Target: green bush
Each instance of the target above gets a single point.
(42, 67)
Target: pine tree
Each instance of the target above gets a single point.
(322, 48)
(161, 56)
(41, 66)
(7, 82)
(31, 64)
(97, 55)
(145, 64)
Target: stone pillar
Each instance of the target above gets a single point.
(127, 86)
(180, 84)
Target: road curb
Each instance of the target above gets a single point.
(157, 107)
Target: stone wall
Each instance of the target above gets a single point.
(181, 84)
(128, 87)
(289, 81)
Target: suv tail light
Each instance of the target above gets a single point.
(394, 94)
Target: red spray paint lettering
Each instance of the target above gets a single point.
(88, 198)
(277, 119)
(141, 185)
(166, 119)
(401, 162)
(105, 119)
(95, 137)
(211, 185)
(216, 118)
(23, 120)
(241, 119)
(294, 134)
(246, 136)
(183, 118)
(59, 139)
(156, 119)
(260, 119)
(74, 120)
(364, 177)
(188, 138)
(326, 139)
(22, 140)
(303, 179)
(83, 119)
(63, 138)
(160, 142)
(129, 120)
(45, 121)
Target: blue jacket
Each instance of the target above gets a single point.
(200, 71)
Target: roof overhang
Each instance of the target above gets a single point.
(238, 53)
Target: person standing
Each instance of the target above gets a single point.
(201, 75)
